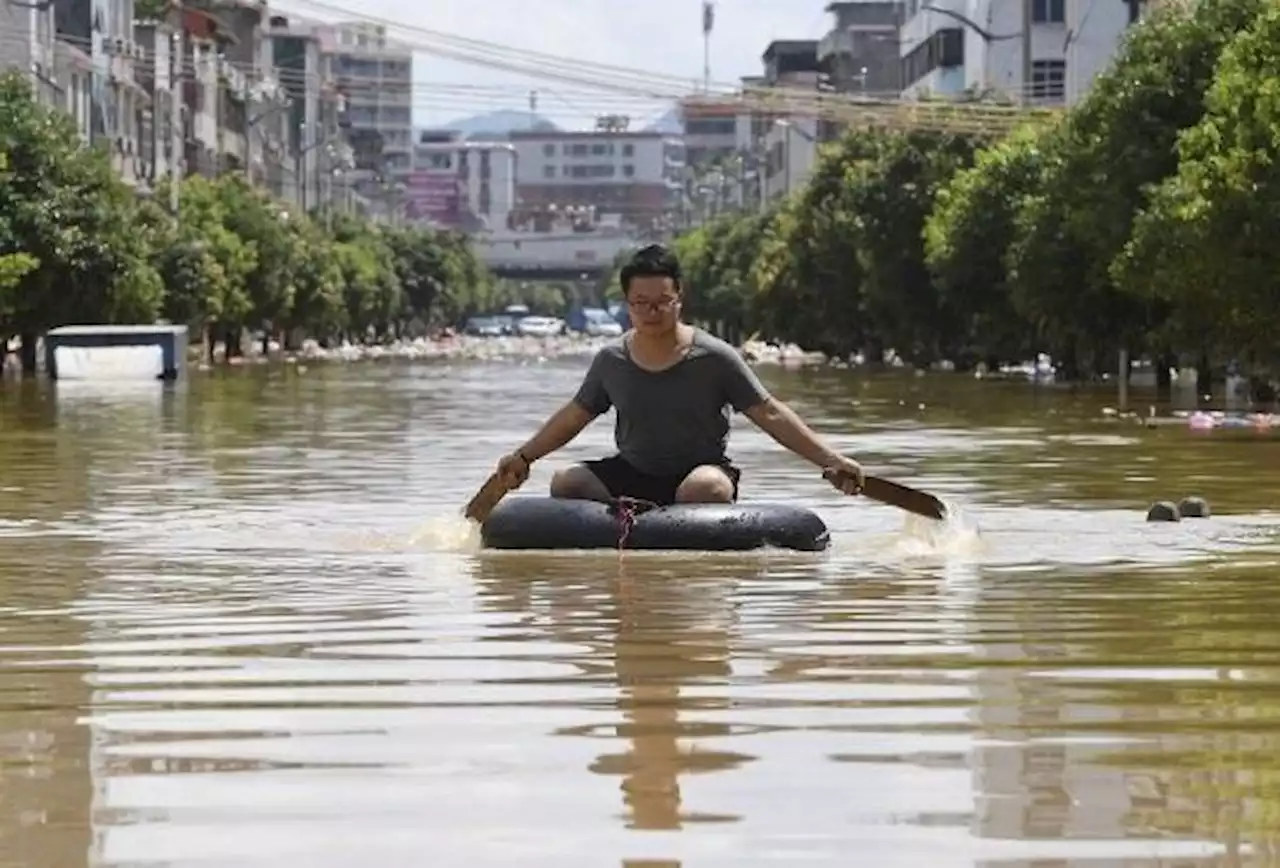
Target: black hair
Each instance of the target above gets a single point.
(653, 260)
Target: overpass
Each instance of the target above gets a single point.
(560, 256)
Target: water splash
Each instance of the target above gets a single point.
(446, 534)
(957, 535)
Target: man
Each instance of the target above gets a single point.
(672, 385)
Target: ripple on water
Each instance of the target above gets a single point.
(266, 635)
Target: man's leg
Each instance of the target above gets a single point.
(578, 482)
(709, 483)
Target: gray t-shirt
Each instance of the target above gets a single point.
(671, 421)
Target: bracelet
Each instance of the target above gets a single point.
(519, 454)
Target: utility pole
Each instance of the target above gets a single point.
(1028, 13)
(708, 22)
(533, 108)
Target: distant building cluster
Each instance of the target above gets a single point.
(317, 113)
(322, 113)
(1024, 52)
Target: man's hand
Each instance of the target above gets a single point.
(513, 470)
(845, 474)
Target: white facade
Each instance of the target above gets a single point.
(791, 148)
(1071, 42)
(485, 173)
(589, 158)
(558, 251)
(376, 76)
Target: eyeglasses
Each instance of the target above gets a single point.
(653, 306)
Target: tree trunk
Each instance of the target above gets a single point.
(27, 354)
(1204, 378)
(1165, 363)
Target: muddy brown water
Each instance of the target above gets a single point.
(242, 625)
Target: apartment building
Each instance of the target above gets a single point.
(637, 177)
(27, 42)
(467, 185)
(102, 31)
(315, 113)
(757, 145)
(375, 76)
(1041, 51)
(860, 53)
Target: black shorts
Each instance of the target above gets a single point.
(624, 480)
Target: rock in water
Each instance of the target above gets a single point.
(1193, 507)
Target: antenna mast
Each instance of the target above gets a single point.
(708, 22)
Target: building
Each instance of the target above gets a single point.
(946, 51)
(469, 185)
(103, 30)
(860, 54)
(634, 177)
(27, 42)
(791, 137)
(747, 149)
(160, 127)
(314, 135)
(375, 75)
(202, 42)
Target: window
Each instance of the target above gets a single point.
(548, 150)
(1049, 79)
(628, 171)
(549, 171)
(1049, 11)
(628, 150)
(711, 126)
(945, 48)
(598, 170)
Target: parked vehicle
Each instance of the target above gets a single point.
(593, 321)
(540, 326)
(485, 326)
(618, 311)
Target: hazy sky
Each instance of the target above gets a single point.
(656, 36)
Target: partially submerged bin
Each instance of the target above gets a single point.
(116, 352)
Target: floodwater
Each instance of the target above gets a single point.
(242, 625)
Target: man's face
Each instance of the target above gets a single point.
(654, 304)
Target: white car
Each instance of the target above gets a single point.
(600, 325)
(540, 326)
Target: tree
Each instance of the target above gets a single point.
(967, 238)
(65, 208)
(894, 196)
(1206, 242)
(809, 274)
(1112, 147)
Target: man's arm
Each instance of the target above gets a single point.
(566, 423)
(749, 396)
(783, 424)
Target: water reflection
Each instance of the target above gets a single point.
(207, 661)
(668, 635)
(46, 779)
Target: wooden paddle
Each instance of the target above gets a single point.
(881, 490)
(486, 499)
(901, 496)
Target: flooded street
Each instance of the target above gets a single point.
(242, 624)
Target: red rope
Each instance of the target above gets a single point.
(627, 509)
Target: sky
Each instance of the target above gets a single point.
(662, 37)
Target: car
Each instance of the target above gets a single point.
(599, 324)
(484, 326)
(540, 326)
(594, 321)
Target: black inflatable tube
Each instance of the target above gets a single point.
(545, 523)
